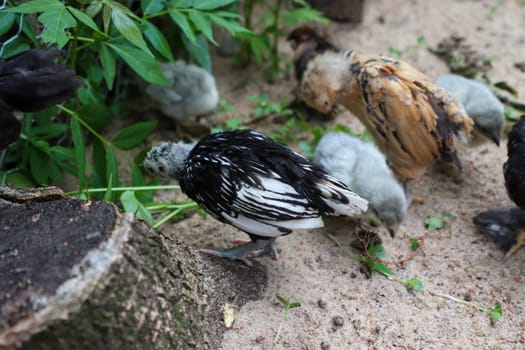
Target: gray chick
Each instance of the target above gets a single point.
(480, 104)
(363, 168)
(191, 92)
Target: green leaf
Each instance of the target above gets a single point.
(143, 64)
(495, 313)
(56, 20)
(111, 172)
(38, 162)
(212, 4)
(232, 26)
(199, 50)
(108, 62)
(158, 40)
(378, 266)
(93, 9)
(283, 300)
(151, 6)
(134, 135)
(132, 205)
(203, 23)
(129, 29)
(35, 6)
(99, 163)
(82, 17)
(304, 15)
(414, 243)
(80, 150)
(433, 223)
(61, 153)
(48, 131)
(376, 251)
(295, 304)
(7, 19)
(181, 21)
(414, 284)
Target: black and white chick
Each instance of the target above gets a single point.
(31, 81)
(262, 187)
(363, 168)
(191, 91)
(506, 226)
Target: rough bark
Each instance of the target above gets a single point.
(79, 275)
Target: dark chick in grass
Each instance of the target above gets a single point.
(247, 180)
(31, 81)
(506, 226)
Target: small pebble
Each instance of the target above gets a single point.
(468, 297)
(338, 321)
(325, 345)
(321, 303)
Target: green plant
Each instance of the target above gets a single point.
(375, 253)
(101, 39)
(495, 313)
(287, 306)
(433, 223)
(261, 43)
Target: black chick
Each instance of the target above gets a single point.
(31, 81)
(506, 226)
(247, 180)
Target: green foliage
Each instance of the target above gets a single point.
(276, 17)
(373, 261)
(101, 39)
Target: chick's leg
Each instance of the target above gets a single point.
(520, 242)
(254, 248)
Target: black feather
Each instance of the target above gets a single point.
(31, 80)
(514, 168)
(9, 126)
(501, 225)
(220, 164)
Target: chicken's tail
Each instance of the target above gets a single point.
(340, 198)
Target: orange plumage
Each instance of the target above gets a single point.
(414, 122)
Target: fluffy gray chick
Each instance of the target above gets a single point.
(480, 104)
(191, 92)
(363, 168)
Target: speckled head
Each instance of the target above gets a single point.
(167, 159)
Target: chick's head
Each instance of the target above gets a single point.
(322, 82)
(167, 159)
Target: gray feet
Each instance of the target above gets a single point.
(251, 249)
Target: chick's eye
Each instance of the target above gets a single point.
(161, 169)
(326, 103)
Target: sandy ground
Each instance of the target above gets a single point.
(379, 313)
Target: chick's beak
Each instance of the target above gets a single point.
(392, 231)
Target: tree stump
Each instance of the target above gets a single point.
(79, 275)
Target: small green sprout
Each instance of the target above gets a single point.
(287, 306)
(495, 313)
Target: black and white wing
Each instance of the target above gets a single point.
(262, 187)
